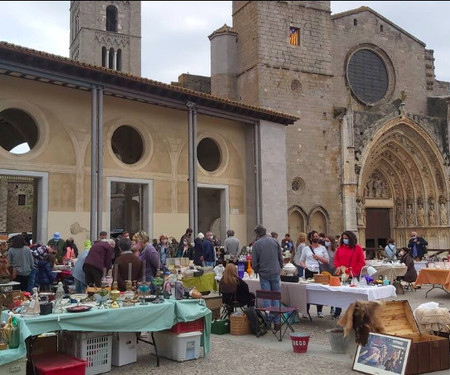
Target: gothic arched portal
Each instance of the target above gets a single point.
(404, 172)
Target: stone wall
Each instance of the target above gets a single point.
(194, 82)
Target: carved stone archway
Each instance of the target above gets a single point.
(403, 170)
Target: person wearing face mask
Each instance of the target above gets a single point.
(390, 250)
(418, 246)
(312, 259)
(208, 250)
(350, 255)
(404, 257)
(164, 248)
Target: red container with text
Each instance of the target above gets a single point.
(185, 327)
(300, 341)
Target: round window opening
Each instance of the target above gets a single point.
(127, 144)
(208, 154)
(298, 185)
(18, 131)
(368, 76)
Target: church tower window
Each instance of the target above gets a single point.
(103, 57)
(111, 18)
(119, 59)
(111, 58)
(294, 36)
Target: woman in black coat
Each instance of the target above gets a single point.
(411, 273)
(234, 289)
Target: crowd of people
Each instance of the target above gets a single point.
(312, 253)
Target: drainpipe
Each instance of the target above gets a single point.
(100, 162)
(93, 224)
(191, 177)
(257, 161)
(194, 168)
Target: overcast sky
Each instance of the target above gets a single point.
(175, 34)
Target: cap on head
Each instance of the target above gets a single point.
(56, 236)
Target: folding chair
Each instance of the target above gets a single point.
(229, 302)
(280, 311)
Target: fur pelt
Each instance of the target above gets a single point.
(363, 317)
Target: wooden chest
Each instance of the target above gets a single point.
(428, 352)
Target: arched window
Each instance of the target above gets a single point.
(119, 59)
(111, 18)
(103, 56)
(111, 58)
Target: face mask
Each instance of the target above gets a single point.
(346, 241)
(315, 240)
(327, 243)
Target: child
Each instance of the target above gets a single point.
(45, 276)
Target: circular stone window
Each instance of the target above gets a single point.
(298, 185)
(208, 154)
(18, 131)
(127, 144)
(367, 76)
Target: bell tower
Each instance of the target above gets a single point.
(107, 34)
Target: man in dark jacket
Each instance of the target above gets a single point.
(123, 262)
(98, 261)
(198, 250)
(418, 246)
(208, 250)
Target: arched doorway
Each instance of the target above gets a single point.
(296, 222)
(404, 180)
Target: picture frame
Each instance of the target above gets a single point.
(383, 355)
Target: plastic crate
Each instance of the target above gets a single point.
(93, 347)
(179, 347)
(58, 364)
(124, 348)
(184, 327)
(17, 367)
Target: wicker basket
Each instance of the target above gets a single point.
(321, 279)
(239, 324)
(335, 281)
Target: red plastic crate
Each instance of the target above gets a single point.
(185, 327)
(58, 364)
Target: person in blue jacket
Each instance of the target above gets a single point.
(45, 276)
(209, 255)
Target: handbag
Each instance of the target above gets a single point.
(322, 267)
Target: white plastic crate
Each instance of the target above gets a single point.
(17, 367)
(93, 347)
(124, 348)
(179, 347)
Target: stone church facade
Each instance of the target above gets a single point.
(370, 151)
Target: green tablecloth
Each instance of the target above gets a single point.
(151, 317)
(204, 283)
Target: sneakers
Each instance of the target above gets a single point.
(335, 317)
(320, 315)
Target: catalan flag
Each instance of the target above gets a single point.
(294, 36)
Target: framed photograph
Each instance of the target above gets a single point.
(382, 355)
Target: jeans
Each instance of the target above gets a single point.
(32, 279)
(210, 264)
(300, 271)
(80, 287)
(272, 283)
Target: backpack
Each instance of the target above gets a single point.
(69, 255)
(256, 321)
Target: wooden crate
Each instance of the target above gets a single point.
(239, 324)
(428, 352)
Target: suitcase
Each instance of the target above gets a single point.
(428, 352)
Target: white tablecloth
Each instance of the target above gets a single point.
(389, 270)
(343, 296)
(292, 294)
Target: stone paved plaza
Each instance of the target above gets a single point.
(265, 355)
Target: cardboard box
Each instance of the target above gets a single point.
(428, 352)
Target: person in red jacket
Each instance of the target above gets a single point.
(350, 255)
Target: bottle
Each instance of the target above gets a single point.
(386, 280)
(14, 335)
